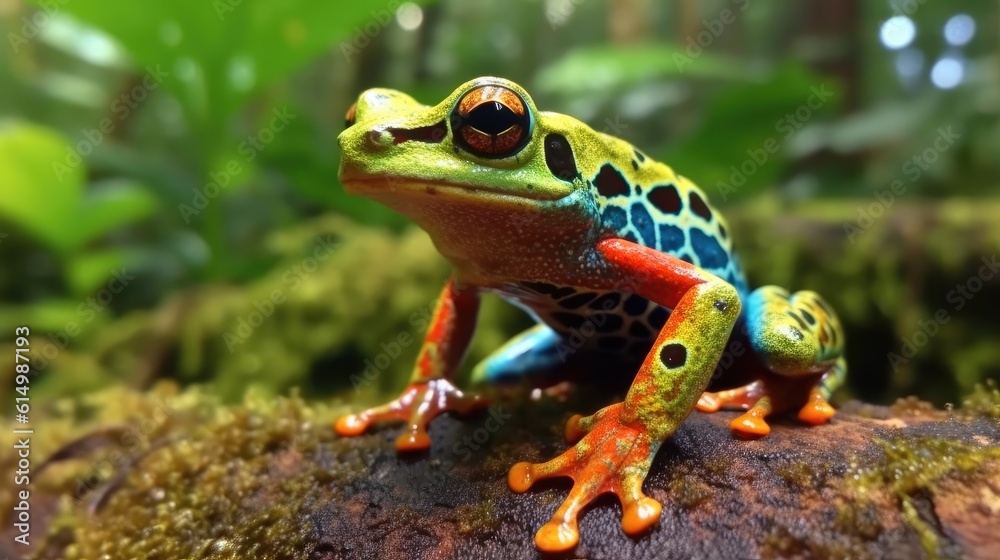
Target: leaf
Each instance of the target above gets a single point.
(87, 272)
(40, 188)
(743, 142)
(617, 67)
(113, 204)
(56, 317)
(216, 53)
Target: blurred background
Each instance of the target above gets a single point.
(169, 206)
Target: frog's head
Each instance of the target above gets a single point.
(485, 144)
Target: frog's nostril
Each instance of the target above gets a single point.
(378, 139)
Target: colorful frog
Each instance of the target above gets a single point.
(613, 253)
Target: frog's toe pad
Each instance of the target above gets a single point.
(574, 432)
(557, 536)
(640, 516)
(817, 410)
(351, 425)
(750, 426)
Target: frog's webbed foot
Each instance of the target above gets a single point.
(741, 397)
(612, 456)
(419, 404)
(760, 401)
(752, 397)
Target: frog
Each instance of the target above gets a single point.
(613, 254)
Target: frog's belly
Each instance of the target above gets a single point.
(606, 321)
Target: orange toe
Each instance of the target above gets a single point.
(640, 516)
(816, 411)
(350, 425)
(519, 477)
(557, 536)
(573, 431)
(749, 426)
(416, 439)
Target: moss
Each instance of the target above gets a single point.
(913, 406)
(688, 492)
(780, 542)
(984, 400)
(476, 518)
(798, 475)
(860, 519)
(914, 466)
(226, 482)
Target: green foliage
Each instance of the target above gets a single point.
(34, 198)
(220, 53)
(611, 68)
(48, 200)
(742, 145)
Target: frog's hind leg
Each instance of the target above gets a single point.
(533, 355)
(798, 340)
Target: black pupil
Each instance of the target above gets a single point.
(492, 118)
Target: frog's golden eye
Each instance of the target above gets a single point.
(491, 122)
(349, 119)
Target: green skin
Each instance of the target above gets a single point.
(584, 232)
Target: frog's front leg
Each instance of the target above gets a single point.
(619, 442)
(798, 340)
(430, 391)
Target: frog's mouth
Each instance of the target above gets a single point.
(378, 187)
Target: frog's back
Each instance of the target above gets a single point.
(643, 201)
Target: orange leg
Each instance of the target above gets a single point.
(617, 444)
(430, 391)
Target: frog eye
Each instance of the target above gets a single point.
(349, 119)
(491, 122)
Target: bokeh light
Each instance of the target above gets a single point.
(897, 32)
(947, 72)
(959, 30)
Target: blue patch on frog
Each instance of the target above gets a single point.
(671, 238)
(615, 218)
(643, 223)
(710, 253)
